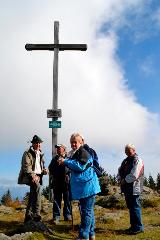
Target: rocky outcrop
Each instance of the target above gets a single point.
(22, 236)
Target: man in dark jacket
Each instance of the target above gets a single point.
(130, 176)
(60, 177)
(31, 173)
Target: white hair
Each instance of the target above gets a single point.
(77, 135)
(130, 146)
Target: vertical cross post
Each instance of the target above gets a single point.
(55, 84)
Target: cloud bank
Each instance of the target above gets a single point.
(93, 93)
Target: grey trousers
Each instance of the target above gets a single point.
(34, 201)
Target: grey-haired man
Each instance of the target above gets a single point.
(130, 176)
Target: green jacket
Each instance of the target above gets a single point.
(28, 165)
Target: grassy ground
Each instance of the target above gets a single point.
(112, 228)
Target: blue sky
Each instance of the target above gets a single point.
(140, 59)
(139, 50)
(110, 93)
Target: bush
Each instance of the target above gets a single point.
(104, 185)
(6, 198)
(113, 201)
(150, 202)
(14, 204)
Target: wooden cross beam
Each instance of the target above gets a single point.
(51, 47)
(54, 113)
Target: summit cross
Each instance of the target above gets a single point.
(55, 113)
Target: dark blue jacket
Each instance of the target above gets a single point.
(60, 174)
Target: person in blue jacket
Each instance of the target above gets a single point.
(84, 184)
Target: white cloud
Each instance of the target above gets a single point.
(93, 93)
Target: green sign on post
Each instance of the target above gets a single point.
(54, 124)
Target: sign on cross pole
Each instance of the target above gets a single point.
(54, 124)
(54, 113)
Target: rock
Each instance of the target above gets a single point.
(109, 217)
(6, 210)
(147, 190)
(22, 236)
(4, 237)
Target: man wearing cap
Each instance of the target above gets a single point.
(31, 173)
(60, 177)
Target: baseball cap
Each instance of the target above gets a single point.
(60, 145)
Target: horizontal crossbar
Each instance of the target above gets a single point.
(51, 47)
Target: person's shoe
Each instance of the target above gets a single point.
(134, 232)
(128, 230)
(92, 238)
(56, 221)
(82, 239)
(68, 218)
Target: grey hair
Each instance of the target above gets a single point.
(77, 135)
(130, 146)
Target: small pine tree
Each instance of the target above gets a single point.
(3, 199)
(17, 199)
(6, 198)
(158, 182)
(112, 180)
(151, 183)
(145, 182)
(104, 182)
(45, 192)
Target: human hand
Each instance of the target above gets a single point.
(67, 178)
(122, 182)
(60, 161)
(45, 171)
